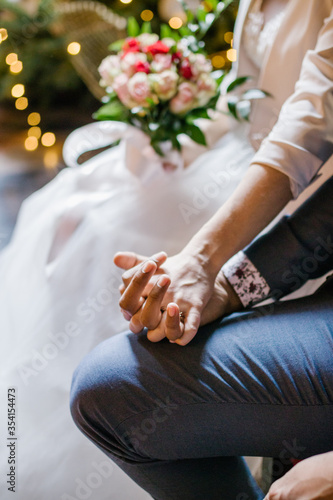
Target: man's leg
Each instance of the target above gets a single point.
(175, 418)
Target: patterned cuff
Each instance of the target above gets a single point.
(246, 280)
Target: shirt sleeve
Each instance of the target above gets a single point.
(302, 139)
(298, 248)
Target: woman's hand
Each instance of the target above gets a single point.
(311, 479)
(175, 311)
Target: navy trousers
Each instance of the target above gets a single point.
(178, 419)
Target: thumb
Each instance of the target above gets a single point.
(127, 260)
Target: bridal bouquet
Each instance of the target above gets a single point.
(163, 83)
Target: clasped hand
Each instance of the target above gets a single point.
(171, 297)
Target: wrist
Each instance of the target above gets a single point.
(233, 302)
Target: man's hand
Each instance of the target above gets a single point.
(147, 301)
(311, 479)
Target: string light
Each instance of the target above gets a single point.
(73, 48)
(175, 22)
(34, 119)
(21, 103)
(232, 55)
(34, 132)
(147, 15)
(31, 143)
(228, 37)
(11, 58)
(3, 35)
(16, 67)
(48, 139)
(18, 90)
(218, 61)
(126, 1)
(51, 159)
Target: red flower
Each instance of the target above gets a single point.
(131, 45)
(157, 48)
(186, 69)
(142, 67)
(176, 57)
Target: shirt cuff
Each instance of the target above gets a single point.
(246, 280)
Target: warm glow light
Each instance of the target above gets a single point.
(34, 119)
(21, 103)
(147, 15)
(48, 139)
(175, 23)
(3, 34)
(11, 58)
(31, 143)
(18, 90)
(51, 159)
(218, 61)
(16, 67)
(35, 132)
(74, 48)
(126, 1)
(228, 37)
(232, 55)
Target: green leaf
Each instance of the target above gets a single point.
(116, 46)
(243, 110)
(185, 31)
(146, 27)
(133, 28)
(112, 111)
(232, 106)
(195, 114)
(237, 83)
(201, 14)
(195, 133)
(255, 94)
(167, 32)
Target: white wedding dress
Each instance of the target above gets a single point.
(59, 298)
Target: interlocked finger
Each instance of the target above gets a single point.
(131, 300)
(151, 314)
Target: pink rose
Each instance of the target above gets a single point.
(120, 86)
(185, 100)
(165, 84)
(130, 60)
(161, 62)
(109, 69)
(139, 89)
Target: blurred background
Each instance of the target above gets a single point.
(49, 54)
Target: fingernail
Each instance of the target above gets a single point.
(148, 267)
(171, 311)
(159, 256)
(162, 281)
(172, 341)
(126, 315)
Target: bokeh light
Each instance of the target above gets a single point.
(34, 119)
(11, 58)
(73, 48)
(16, 67)
(218, 61)
(51, 159)
(21, 103)
(48, 139)
(175, 23)
(147, 15)
(232, 55)
(31, 143)
(18, 90)
(35, 132)
(228, 37)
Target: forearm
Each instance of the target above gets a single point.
(260, 196)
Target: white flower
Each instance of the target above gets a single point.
(185, 100)
(161, 62)
(139, 89)
(164, 84)
(109, 69)
(147, 39)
